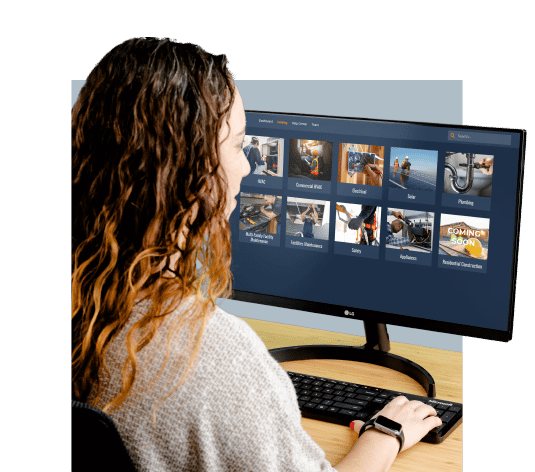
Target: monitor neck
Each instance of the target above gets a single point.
(376, 336)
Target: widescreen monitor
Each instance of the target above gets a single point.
(412, 224)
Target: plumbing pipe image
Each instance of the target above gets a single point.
(455, 179)
(476, 180)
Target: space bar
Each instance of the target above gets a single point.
(347, 406)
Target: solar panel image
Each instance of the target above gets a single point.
(413, 169)
(416, 180)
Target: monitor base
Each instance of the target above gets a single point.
(373, 352)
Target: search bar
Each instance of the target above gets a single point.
(479, 138)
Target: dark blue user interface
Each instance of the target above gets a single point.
(401, 218)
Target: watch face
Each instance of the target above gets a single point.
(387, 423)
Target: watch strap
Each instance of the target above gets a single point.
(371, 424)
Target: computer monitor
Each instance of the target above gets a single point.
(389, 222)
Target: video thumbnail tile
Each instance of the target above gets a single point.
(409, 229)
(360, 170)
(307, 218)
(468, 180)
(265, 155)
(260, 218)
(413, 169)
(413, 174)
(464, 236)
(310, 159)
(468, 174)
(266, 158)
(357, 224)
(361, 164)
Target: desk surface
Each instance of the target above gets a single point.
(336, 440)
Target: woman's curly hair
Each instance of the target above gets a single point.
(145, 170)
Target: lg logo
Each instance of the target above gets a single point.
(349, 313)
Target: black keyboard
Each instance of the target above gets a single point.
(342, 402)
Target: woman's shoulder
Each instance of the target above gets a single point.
(228, 335)
(229, 323)
(235, 357)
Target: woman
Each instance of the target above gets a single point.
(157, 136)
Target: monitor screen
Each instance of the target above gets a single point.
(403, 223)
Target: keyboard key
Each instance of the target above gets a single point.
(306, 398)
(448, 416)
(318, 383)
(356, 402)
(309, 405)
(438, 428)
(347, 406)
(454, 408)
(316, 394)
(305, 392)
(321, 407)
(364, 397)
(339, 399)
(328, 385)
(328, 390)
(328, 397)
(327, 402)
(332, 409)
(350, 395)
(350, 389)
(347, 412)
(315, 400)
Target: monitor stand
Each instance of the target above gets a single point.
(375, 351)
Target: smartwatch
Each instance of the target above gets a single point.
(385, 425)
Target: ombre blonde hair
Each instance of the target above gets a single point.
(146, 170)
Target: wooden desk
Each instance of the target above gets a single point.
(336, 440)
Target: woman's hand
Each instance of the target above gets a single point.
(415, 417)
(375, 451)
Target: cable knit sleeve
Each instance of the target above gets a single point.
(236, 412)
(250, 415)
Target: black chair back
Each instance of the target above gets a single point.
(96, 442)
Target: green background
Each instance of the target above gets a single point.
(485, 46)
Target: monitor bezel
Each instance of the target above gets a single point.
(393, 318)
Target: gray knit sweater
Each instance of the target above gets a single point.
(237, 411)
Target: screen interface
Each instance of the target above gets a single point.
(392, 218)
